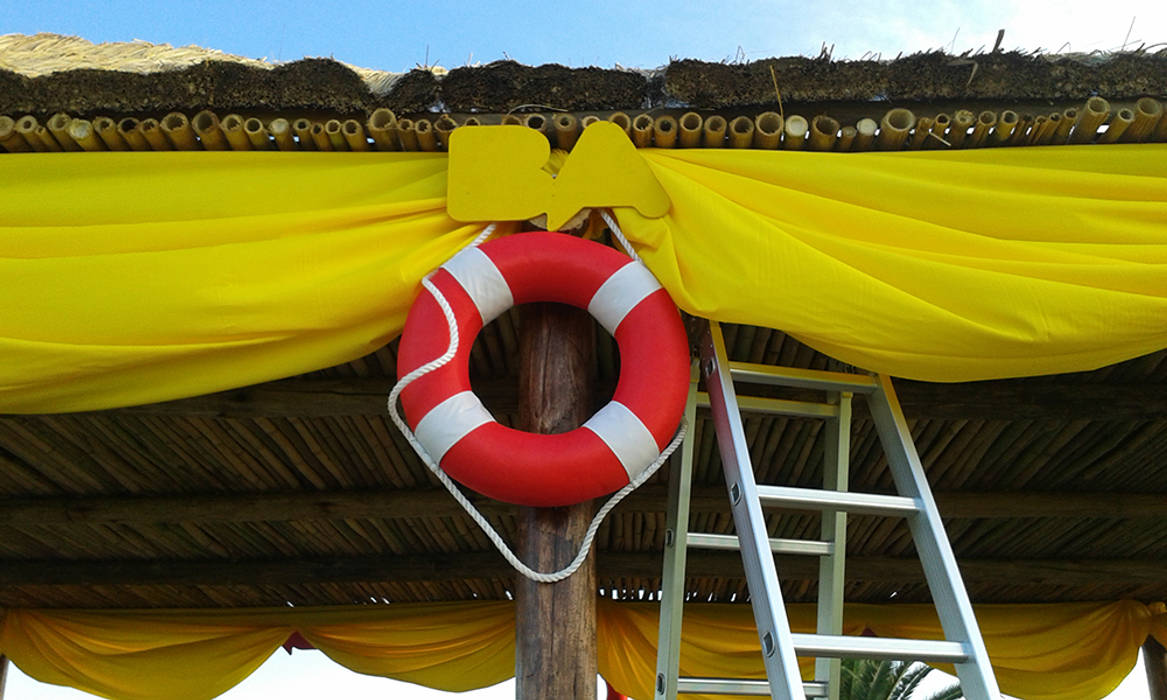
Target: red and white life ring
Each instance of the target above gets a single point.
(614, 445)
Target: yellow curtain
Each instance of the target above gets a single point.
(139, 277)
(1065, 651)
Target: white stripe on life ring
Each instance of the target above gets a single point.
(620, 294)
(625, 434)
(485, 285)
(449, 422)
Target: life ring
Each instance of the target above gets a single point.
(614, 445)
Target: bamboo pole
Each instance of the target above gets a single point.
(846, 138)
(795, 132)
(664, 131)
(58, 126)
(232, 128)
(1066, 125)
(281, 133)
(690, 129)
(940, 125)
(407, 135)
(10, 139)
(332, 131)
(152, 132)
(920, 133)
(1003, 129)
(962, 121)
(741, 132)
(427, 138)
(713, 133)
(537, 122)
(566, 130)
(1090, 117)
(320, 138)
(1148, 113)
(865, 130)
(471, 121)
(257, 134)
(823, 133)
(1045, 135)
(303, 129)
(768, 128)
(894, 129)
(511, 120)
(986, 120)
(642, 130)
(205, 124)
(1040, 127)
(444, 126)
(107, 130)
(26, 128)
(1119, 123)
(1024, 131)
(82, 133)
(354, 135)
(622, 120)
(130, 130)
(1155, 665)
(1160, 131)
(382, 126)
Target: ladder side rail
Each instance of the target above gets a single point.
(836, 477)
(668, 655)
(936, 556)
(769, 609)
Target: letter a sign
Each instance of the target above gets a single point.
(496, 174)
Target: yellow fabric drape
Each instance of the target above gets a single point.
(139, 277)
(1064, 651)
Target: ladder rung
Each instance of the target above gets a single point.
(778, 407)
(833, 645)
(778, 545)
(850, 501)
(733, 686)
(802, 378)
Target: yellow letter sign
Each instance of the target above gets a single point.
(496, 174)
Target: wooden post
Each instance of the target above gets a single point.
(3, 674)
(555, 624)
(1155, 662)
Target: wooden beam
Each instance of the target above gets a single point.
(436, 503)
(489, 565)
(1026, 399)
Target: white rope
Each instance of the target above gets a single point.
(475, 515)
(615, 229)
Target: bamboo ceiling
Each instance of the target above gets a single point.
(301, 492)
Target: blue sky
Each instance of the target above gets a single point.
(398, 36)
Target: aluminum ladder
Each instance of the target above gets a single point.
(962, 645)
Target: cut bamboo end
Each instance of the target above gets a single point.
(894, 129)
(281, 133)
(471, 121)
(47, 140)
(232, 127)
(865, 130)
(741, 132)
(642, 127)
(319, 137)
(1024, 131)
(58, 126)
(538, 122)
(26, 127)
(130, 129)
(622, 120)
(920, 133)
(664, 131)
(689, 128)
(823, 133)
(82, 132)
(962, 121)
(511, 120)
(302, 128)
(1090, 117)
(588, 121)
(795, 131)
(768, 130)
(257, 134)
(107, 131)
(1148, 113)
(846, 138)
(566, 129)
(10, 140)
(354, 135)
(444, 126)
(1040, 127)
(333, 132)
(1065, 125)
(1119, 123)
(152, 132)
(407, 135)
(713, 132)
(1045, 135)
(427, 138)
(1005, 127)
(382, 126)
(205, 124)
(941, 123)
(986, 120)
